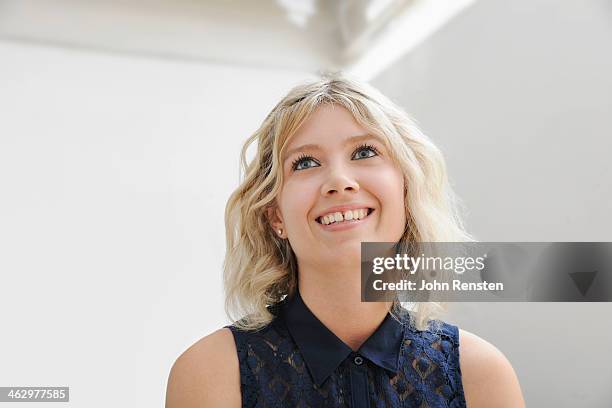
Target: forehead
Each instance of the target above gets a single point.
(326, 124)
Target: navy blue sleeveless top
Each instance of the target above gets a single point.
(296, 361)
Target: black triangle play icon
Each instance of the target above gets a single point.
(583, 280)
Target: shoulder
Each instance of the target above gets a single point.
(487, 376)
(206, 374)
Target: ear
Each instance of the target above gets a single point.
(275, 218)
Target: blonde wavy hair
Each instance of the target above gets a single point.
(259, 267)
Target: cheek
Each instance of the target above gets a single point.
(388, 185)
(389, 189)
(298, 200)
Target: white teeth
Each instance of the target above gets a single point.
(348, 215)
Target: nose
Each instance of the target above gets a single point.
(339, 182)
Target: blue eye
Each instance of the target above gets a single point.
(302, 159)
(364, 149)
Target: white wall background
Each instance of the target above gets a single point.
(518, 95)
(113, 184)
(114, 174)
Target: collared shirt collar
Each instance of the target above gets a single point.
(323, 351)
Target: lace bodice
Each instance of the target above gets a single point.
(295, 361)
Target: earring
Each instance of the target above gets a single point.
(280, 232)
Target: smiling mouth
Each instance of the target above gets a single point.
(320, 219)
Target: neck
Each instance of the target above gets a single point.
(334, 297)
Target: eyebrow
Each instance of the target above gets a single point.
(347, 141)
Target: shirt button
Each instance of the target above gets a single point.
(358, 360)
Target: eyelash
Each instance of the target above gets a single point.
(303, 156)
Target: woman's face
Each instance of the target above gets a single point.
(341, 166)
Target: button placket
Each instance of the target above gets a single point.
(359, 383)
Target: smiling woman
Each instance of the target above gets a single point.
(336, 167)
(337, 164)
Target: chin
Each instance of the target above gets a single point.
(347, 254)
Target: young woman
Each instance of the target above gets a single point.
(336, 164)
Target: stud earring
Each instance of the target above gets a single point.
(280, 232)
